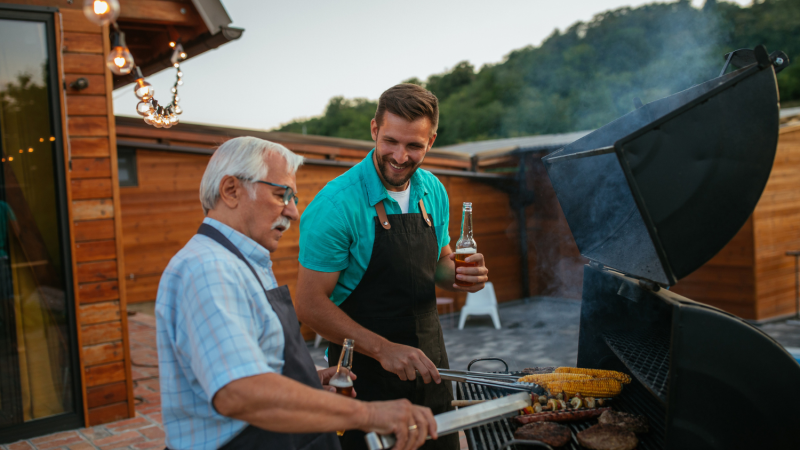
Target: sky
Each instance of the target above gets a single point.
(295, 55)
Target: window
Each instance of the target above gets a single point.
(126, 163)
(38, 354)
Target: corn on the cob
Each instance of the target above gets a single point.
(593, 387)
(597, 373)
(544, 378)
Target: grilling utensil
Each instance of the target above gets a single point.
(461, 419)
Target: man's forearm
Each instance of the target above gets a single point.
(277, 403)
(333, 324)
(445, 273)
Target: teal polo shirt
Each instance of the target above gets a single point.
(337, 229)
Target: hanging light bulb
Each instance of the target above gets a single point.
(101, 12)
(144, 108)
(120, 60)
(178, 110)
(158, 121)
(142, 89)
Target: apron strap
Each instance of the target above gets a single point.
(209, 231)
(382, 215)
(424, 213)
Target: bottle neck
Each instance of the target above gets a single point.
(466, 223)
(345, 359)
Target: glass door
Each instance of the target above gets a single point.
(38, 384)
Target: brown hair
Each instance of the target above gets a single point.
(410, 102)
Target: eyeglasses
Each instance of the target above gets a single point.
(288, 194)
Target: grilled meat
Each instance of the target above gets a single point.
(630, 422)
(570, 415)
(552, 434)
(607, 437)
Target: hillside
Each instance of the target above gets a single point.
(589, 74)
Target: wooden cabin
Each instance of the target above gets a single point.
(751, 277)
(64, 354)
(159, 200)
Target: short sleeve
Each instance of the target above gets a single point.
(219, 335)
(445, 239)
(324, 237)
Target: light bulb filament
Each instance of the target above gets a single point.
(119, 61)
(100, 7)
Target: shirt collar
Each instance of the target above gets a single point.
(376, 191)
(251, 249)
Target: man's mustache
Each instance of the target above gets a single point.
(281, 222)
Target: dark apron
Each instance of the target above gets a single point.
(297, 365)
(396, 299)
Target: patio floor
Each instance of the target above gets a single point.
(540, 332)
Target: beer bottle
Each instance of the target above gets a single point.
(466, 245)
(341, 380)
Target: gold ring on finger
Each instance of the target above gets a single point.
(412, 427)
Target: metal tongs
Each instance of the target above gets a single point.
(462, 419)
(495, 380)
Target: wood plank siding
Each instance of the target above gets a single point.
(94, 196)
(163, 212)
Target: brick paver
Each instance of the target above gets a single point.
(143, 432)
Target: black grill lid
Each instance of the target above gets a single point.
(658, 192)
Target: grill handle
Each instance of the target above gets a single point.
(469, 366)
(453, 421)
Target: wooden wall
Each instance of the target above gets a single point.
(163, 212)
(96, 223)
(776, 230)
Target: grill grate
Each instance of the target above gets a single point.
(495, 435)
(646, 355)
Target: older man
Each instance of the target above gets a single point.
(235, 372)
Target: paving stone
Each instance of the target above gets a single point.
(94, 433)
(148, 445)
(118, 441)
(53, 437)
(66, 439)
(82, 446)
(21, 445)
(128, 424)
(154, 432)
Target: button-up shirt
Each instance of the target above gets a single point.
(337, 229)
(215, 325)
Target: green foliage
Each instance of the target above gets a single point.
(343, 118)
(589, 74)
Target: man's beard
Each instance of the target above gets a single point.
(389, 176)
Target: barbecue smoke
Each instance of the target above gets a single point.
(679, 48)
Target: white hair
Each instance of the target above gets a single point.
(245, 158)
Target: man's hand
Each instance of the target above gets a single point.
(325, 376)
(397, 417)
(405, 361)
(478, 274)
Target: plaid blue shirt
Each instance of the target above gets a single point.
(215, 325)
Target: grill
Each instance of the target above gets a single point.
(649, 198)
(500, 434)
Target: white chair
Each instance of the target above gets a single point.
(317, 341)
(480, 303)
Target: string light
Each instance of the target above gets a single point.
(151, 112)
(120, 60)
(30, 150)
(10, 158)
(101, 12)
(52, 138)
(41, 139)
(20, 150)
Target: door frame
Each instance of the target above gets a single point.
(75, 418)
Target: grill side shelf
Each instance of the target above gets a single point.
(646, 356)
